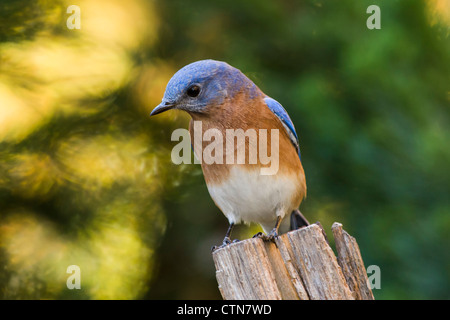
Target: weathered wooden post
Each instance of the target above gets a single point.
(299, 265)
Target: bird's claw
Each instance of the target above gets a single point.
(226, 241)
(272, 235)
(267, 237)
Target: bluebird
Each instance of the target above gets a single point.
(223, 98)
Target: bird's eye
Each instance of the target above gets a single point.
(193, 91)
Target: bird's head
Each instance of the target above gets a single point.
(199, 86)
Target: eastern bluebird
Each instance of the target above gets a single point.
(223, 98)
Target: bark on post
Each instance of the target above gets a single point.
(350, 260)
(300, 265)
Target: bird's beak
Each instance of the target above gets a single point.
(163, 106)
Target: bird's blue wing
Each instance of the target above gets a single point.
(281, 114)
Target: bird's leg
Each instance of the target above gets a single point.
(272, 234)
(227, 240)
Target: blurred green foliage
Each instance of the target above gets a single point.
(86, 176)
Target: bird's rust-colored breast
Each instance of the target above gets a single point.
(244, 113)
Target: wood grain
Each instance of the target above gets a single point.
(299, 265)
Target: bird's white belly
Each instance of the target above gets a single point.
(251, 197)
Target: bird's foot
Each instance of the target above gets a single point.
(260, 235)
(226, 241)
(267, 237)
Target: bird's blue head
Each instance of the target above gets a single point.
(200, 85)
